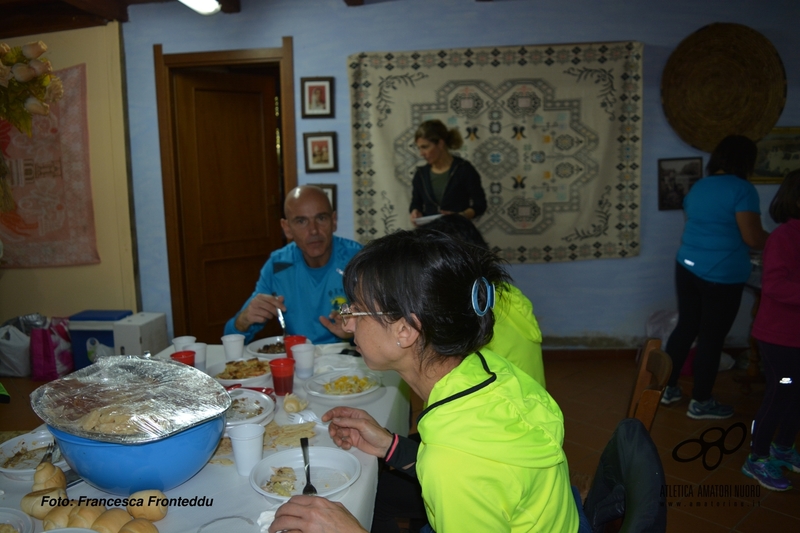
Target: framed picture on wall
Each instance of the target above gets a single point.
(317, 97)
(320, 152)
(778, 154)
(330, 190)
(675, 178)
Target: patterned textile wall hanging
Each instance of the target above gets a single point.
(554, 131)
(52, 223)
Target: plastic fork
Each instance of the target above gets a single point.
(48, 453)
(306, 415)
(309, 489)
(280, 317)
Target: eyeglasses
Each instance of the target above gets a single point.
(322, 219)
(345, 312)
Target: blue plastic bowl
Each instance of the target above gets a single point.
(127, 468)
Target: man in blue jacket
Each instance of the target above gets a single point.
(304, 278)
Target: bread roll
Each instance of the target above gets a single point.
(58, 517)
(34, 504)
(152, 507)
(85, 515)
(111, 521)
(47, 476)
(139, 525)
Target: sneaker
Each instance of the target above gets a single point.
(671, 395)
(708, 409)
(766, 472)
(787, 457)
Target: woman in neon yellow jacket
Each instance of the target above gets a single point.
(491, 456)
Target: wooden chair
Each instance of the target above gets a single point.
(655, 366)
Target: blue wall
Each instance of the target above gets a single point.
(607, 300)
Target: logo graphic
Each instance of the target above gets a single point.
(709, 445)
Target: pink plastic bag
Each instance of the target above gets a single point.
(51, 351)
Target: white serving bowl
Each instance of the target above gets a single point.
(255, 381)
(35, 440)
(264, 401)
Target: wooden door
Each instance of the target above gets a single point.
(228, 191)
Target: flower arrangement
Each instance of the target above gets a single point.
(27, 88)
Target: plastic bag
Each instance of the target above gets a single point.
(15, 356)
(51, 351)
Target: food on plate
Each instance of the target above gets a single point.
(84, 515)
(34, 503)
(111, 521)
(293, 403)
(349, 385)
(225, 447)
(24, 455)
(154, 508)
(139, 525)
(8, 528)
(277, 347)
(58, 517)
(113, 419)
(244, 408)
(275, 435)
(281, 482)
(246, 368)
(47, 476)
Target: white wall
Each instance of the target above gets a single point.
(607, 300)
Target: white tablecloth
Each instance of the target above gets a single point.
(236, 505)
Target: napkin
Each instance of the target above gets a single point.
(266, 517)
(331, 362)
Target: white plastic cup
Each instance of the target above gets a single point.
(234, 346)
(199, 349)
(180, 343)
(303, 360)
(248, 445)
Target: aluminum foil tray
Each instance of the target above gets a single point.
(130, 400)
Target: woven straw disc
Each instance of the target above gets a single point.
(723, 79)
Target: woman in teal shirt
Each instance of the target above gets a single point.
(723, 223)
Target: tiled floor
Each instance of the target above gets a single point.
(594, 395)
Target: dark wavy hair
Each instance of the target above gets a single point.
(428, 276)
(735, 154)
(457, 226)
(786, 202)
(435, 131)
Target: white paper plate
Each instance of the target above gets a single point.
(252, 348)
(332, 470)
(256, 381)
(16, 518)
(35, 440)
(315, 386)
(253, 400)
(421, 221)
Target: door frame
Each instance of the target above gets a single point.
(164, 64)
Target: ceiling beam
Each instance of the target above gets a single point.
(106, 9)
(230, 6)
(353, 3)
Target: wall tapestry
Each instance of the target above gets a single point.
(554, 131)
(52, 222)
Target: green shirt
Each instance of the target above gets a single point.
(438, 184)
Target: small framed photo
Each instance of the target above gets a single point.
(330, 190)
(320, 152)
(778, 154)
(317, 97)
(675, 178)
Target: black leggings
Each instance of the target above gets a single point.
(780, 409)
(706, 311)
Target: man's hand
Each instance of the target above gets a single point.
(353, 427)
(335, 325)
(415, 214)
(260, 309)
(313, 514)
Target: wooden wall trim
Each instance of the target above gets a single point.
(288, 127)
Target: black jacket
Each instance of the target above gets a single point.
(463, 190)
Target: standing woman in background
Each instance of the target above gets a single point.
(777, 329)
(447, 184)
(723, 222)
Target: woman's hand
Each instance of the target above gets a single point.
(415, 214)
(313, 514)
(353, 427)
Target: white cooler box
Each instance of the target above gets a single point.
(140, 333)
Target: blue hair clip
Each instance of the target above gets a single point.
(489, 297)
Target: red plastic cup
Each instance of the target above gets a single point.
(291, 340)
(282, 375)
(186, 357)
